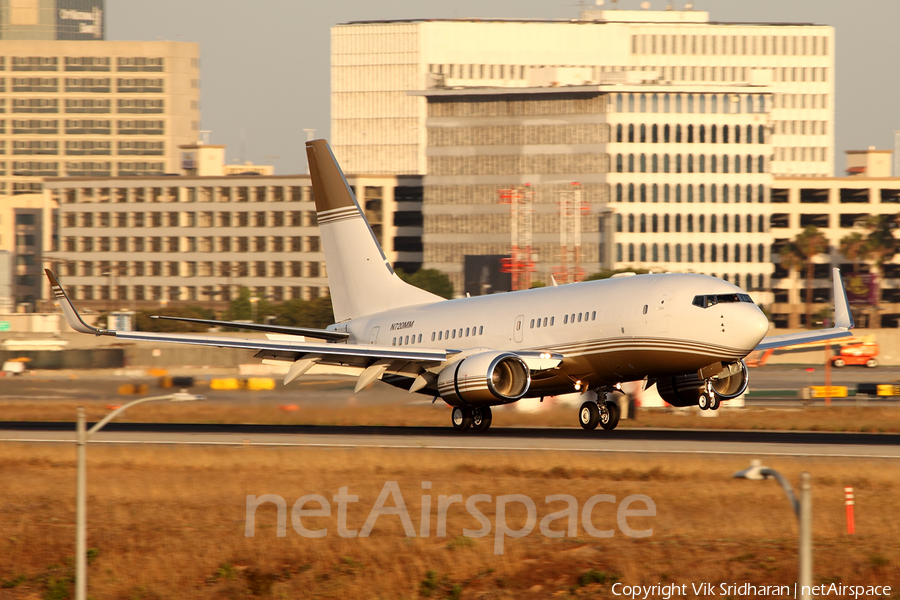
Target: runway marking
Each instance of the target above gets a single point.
(497, 448)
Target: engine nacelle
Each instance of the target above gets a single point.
(732, 381)
(685, 390)
(483, 379)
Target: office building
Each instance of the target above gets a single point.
(141, 241)
(378, 127)
(838, 207)
(94, 109)
(618, 175)
(52, 20)
(25, 232)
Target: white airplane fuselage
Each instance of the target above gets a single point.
(608, 331)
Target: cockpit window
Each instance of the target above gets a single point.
(707, 300)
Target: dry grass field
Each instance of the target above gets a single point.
(169, 522)
(350, 412)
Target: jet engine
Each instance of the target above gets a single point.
(685, 390)
(484, 379)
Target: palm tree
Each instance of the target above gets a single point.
(881, 246)
(855, 247)
(802, 251)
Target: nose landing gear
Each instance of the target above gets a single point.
(709, 400)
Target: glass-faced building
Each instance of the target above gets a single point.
(52, 20)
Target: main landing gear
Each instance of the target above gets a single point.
(593, 413)
(478, 418)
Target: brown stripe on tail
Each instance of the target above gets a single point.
(332, 190)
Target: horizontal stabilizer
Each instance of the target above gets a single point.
(322, 334)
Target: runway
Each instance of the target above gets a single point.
(630, 440)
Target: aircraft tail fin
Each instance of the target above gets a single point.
(361, 279)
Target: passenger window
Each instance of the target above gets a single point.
(545, 321)
(481, 330)
(454, 334)
(447, 334)
(432, 336)
(579, 317)
(594, 316)
(467, 332)
(645, 309)
(420, 338)
(460, 332)
(440, 335)
(566, 320)
(573, 317)
(394, 342)
(407, 339)
(539, 323)
(532, 324)
(551, 321)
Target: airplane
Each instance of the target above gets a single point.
(686, 333)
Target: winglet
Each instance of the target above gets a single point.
(72, 317)
(842, 315)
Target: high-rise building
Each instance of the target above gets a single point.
(378, 127)
(52, 20)
(94, 109)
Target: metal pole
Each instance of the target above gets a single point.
(805, 536)
(81, 512)
(82, 436)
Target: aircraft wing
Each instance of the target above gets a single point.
(288, 350)
(324, 334)
(843, 323)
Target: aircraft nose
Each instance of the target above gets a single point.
(758, 325)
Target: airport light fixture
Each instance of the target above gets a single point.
(83, 434)
(803, 511)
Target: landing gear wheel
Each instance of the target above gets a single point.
(462, 419)
(703, 401)
(839, 362)
(481, 418)
(589, 415)
(871, 363)
(609, 418)
(715, 403)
